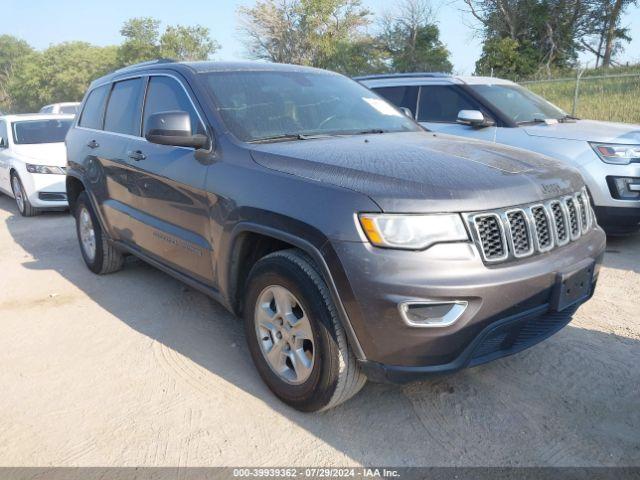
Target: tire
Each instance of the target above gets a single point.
(103, 258)
(22, 201)
(330, 374)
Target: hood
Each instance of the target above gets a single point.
(52, 154)
(423, 172)
(588, 131)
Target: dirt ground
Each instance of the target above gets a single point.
(135, 369)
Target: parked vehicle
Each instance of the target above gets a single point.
(64, 108)
(606, 154)
(33, 159)
(354, 243)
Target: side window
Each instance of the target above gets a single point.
(400, 96)
(441, 103)
(4, 138)
(124, 106)
(94, 108)
(47, 110)
(165, 94)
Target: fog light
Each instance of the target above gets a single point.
(624, 188)
(432, 314)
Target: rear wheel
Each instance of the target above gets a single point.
(294, 335)
(99, 255)
(22, 201)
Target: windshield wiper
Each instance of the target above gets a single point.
(370, 131)
(284, 137)
(568, 118)
(535, 120)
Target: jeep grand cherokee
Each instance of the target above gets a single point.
(353, 242)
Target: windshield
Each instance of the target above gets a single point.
(40, 131)
(518, 103)
(261, 105)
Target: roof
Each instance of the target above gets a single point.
(401, 79)
(402, 75)
(205, 67)
(62, 104)
(36, 116)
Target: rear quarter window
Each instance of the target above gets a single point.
(94, 108)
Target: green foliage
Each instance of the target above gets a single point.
(13, 51)
(144, 42)
(141, 41)
(31, 79)
(58, 74)
(608, 99)
(418, 50)
(187, 43)
(332, 34)
(507, 58)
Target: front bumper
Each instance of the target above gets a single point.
(506, 294)
(618, 220)
(45, 190)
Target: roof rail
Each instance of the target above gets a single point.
(403, 75)
(144, 64)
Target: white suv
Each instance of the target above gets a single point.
(607, 154)
(33, 158)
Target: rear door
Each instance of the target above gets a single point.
(170, 202)
(105, 147)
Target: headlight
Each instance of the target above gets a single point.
(412, 232)
(618, 154)
(44, 169)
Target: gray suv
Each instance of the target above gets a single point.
(354, 243)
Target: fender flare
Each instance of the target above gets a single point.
(316, 255)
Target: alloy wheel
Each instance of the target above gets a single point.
(17, 192)
(284, 334)
(87, 233)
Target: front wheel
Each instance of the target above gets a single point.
(22, 200)
(295, 336)
(99, 255)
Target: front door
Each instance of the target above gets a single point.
(171, 205)
(438, 108)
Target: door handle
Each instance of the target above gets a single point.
(137, 155)
(93, 144)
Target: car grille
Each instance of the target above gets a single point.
(519, 232)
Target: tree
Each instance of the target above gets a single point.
(606, 36)
(319, 33)
(13, 51)
(412, 39)
(61, 73)
(187, 43)
(141, 40)
(503, 57)
(547, 32)
(144, 42)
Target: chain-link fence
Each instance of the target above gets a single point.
(613, 98)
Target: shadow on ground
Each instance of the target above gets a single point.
(572, 400)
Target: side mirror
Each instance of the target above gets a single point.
(3, 143)
(407, 111)
(473, 118)
(173, 128)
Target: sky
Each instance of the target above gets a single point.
(43, 22)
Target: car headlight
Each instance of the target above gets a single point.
(44, 169)
(618, 154)
(412, 232)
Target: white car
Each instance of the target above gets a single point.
(70, 108)
(33, 158)
(607, 154)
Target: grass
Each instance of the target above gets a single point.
(610, 99)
